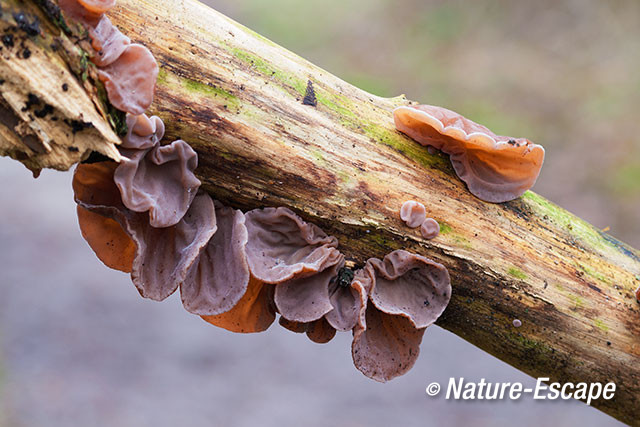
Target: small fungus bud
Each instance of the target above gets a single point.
(430, 228)
(413, 213)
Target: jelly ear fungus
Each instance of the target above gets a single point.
(495, 168)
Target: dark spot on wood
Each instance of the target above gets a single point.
(364, 188)
(41, 113)
(73, 149)
(8, 117)
(31, 101)
(26, 53)
(65, 87)
(78, 125)
(7, 40)
(594, 287)
(310, 95)
(96, 157)
(31, 28)
(512, 142)
(53, 11)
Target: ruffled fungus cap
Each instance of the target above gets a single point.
(495, 168)
(159, 180)
(282, 246)
(108, 42)
(407, 293)
(220, 278)
(131, 79)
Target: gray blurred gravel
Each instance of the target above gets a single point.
(80, 347)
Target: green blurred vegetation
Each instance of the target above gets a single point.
(564, 74)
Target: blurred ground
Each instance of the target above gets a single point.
(78, 346)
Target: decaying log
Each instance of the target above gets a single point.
(48, 117)
(237, 98)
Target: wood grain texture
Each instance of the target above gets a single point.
(237, 98)
(49, 118)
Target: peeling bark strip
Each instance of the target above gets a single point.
(237, 98)
(50, 113)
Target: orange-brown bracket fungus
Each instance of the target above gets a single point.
(143, 132)
(94, 185)
(97, 7)
(407, 293)
(169, 238)
(163, 256)
(495, 168)
(318, 331)
(255, 311)
(306, 299)
(77, 10)
(347, 301)
(413, 213)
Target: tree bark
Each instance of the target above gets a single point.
(237, 98)
(51, 114)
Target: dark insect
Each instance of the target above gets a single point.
(7, 40)
(31, 28)
(345, 277)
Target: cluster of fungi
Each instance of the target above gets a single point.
(147, 216)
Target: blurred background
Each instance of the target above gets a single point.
(78, 346)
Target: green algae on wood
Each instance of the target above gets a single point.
(517, 273)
